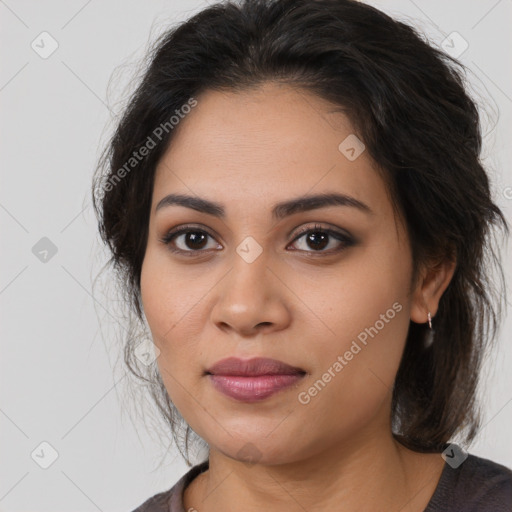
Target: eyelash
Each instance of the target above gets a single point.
(346, 240)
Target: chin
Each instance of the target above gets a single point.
(255, 446)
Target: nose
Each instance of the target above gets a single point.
(253, 297)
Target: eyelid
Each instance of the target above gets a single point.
(317, 227)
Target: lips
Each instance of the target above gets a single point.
(252, 380)
(252, 367)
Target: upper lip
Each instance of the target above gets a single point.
(252, 367)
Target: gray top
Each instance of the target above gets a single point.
(477, 485)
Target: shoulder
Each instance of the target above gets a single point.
(172, 499)
(157, 503)
(476, 485)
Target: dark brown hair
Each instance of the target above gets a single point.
(408, 102)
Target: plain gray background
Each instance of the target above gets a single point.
(57, 372)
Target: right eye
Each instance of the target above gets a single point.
(191, 237)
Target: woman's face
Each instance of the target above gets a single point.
(249, 283)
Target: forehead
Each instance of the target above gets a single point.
(268, 143)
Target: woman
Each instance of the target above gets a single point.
(295, 204)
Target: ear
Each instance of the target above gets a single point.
(429, 289)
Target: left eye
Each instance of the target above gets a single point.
(318, 238)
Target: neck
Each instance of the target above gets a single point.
(373, 473)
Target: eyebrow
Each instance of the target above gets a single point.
(279, 210)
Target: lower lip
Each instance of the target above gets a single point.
(255, 388)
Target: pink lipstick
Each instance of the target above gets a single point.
(252, 380)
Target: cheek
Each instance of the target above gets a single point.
(362, 293)
(172, 308)
(368, 320)
(169, 300)
(155, 296)
(352, 385)
(163, 310)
